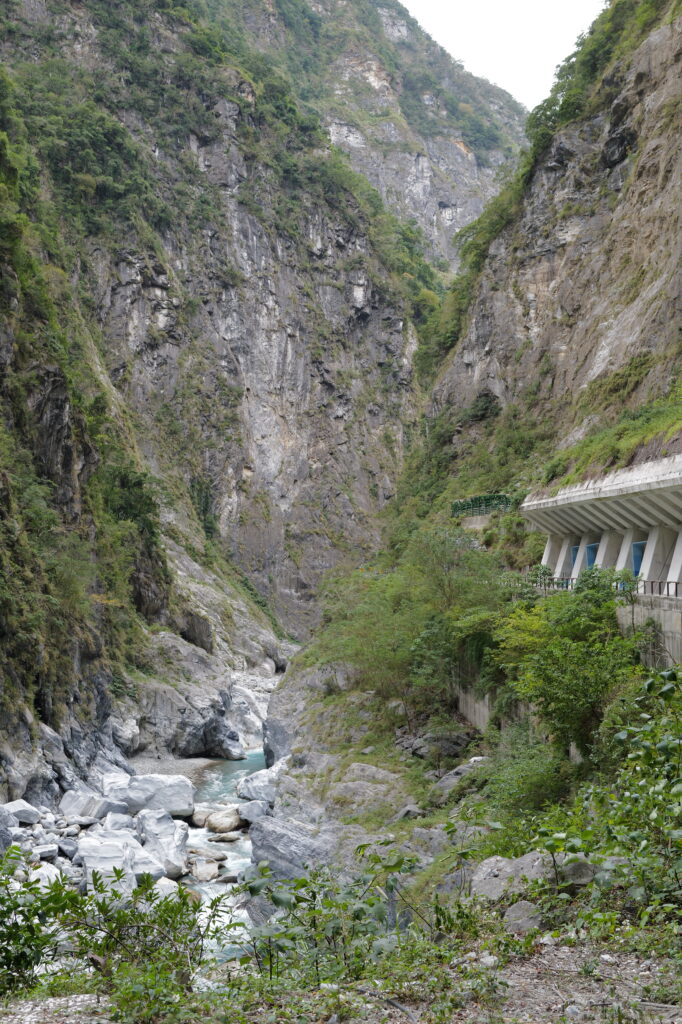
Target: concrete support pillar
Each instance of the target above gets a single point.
(581, 558)
(609, 549)
(659, 548)
(552, 551)
(564, 564)
(675, 570)
(624, 555)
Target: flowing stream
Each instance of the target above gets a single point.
(219, 785)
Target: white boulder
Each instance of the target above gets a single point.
(172, 793)
(262, 785)
(166, 886)
(44, 874)
(123, 850)
(205, 870)
(115, 821)
(104, 856)
(223, 819)
(165, 840)
(85, 803)
(23, 811)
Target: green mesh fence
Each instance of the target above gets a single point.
(481, 505)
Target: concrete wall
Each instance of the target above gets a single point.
(667, 612)
(476, 710)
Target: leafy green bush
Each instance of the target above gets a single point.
(615, 32)
(566, 654)
(28, 938)
(526, 773)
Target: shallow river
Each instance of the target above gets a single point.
(218, 785)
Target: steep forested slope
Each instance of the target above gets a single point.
(555, 354)
(208, 322)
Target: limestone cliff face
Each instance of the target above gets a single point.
(203, 308)
(587, 282)
(284, 387)
(427, 134)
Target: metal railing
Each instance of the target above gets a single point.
(660, 588)
(481, 505)
(654, 588)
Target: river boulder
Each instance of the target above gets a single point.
(105, 855)
(172, 793)
(205, 870)
(290, 846)
(253, 809)
(23, 811)
(165, 840)
(224, 819)
(86, 803)
(261, 785)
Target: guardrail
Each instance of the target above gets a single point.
(654, 588)
(481, 505)
(660, 588)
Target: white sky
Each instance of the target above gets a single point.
(516, 44)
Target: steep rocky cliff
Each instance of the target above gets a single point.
(208, 324)
(565, 334)
(577, 311)
(427, 134)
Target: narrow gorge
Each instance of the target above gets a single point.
(295, 314)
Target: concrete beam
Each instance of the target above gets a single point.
(564, 565)
(609, 549)
(552, 551)
(657, 553)
(675, 570)
(624, 560)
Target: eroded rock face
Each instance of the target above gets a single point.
(589, 278)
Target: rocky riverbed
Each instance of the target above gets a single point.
(147, 823)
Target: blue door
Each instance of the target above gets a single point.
(591, 554)
(574, 554)
(637, 555)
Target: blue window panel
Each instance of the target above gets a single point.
(591, 554)
(637, 555)
(574, 554)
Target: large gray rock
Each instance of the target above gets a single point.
(88, 804)
(252, 810)
(24, 812)
(497, 876)
(447, 783)
(104, 855)
(165, 840)
(522, 917)
(172, 793)
(289, 846)
(7, 820)
(225, 819)
(123, 849)
(576, 870)
(261, 785)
